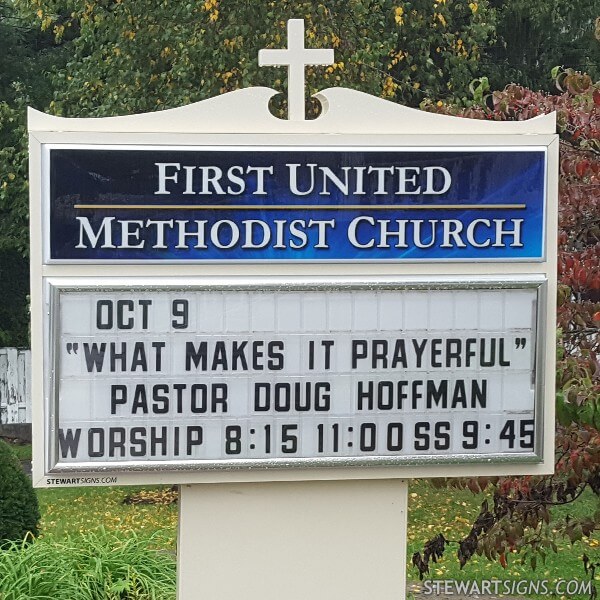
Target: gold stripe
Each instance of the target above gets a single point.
(299, 207)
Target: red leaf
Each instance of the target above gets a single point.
(581, 167)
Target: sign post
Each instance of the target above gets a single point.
(303, 314)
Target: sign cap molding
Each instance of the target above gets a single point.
(345, 111)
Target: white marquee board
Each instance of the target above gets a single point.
(211, 375)
(499, 415)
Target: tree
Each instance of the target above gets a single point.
(26, 55)
(516, 518)
(533, 38)
(134, 57)
(14, 307)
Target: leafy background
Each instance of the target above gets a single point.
(488, 59)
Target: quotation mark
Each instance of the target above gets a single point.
(520, 343)
(72, 348)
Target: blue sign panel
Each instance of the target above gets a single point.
(282, 204)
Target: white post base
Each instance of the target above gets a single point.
(309, 540)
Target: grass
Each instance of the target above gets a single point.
(68, 511)
(23, 451)
(94, 547)
(76, 521)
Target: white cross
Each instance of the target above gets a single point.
(295, 58)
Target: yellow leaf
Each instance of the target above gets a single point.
(398, 12)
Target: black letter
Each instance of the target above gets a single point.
(195, 356)
(120, 398)
(194, 438)
(356, 345)
(69, 442)
(94, 356)
(96, 431)
(101, 323)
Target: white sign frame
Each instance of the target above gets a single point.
(242, 118)
(57, 287)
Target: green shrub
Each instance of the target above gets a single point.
(92, 566)
(19, 510)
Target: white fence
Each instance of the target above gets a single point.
(15, 386)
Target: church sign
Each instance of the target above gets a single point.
(221, 295)
(170, 204)
(302, 313)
